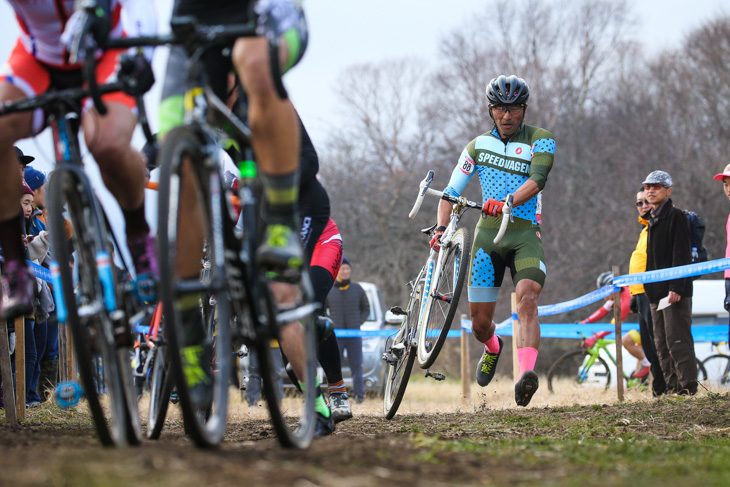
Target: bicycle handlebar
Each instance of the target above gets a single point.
(425, 190)
(422, 190)
(506, 218)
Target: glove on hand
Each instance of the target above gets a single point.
(435, 243)
(493, 207)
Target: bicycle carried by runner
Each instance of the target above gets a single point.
(433, 300)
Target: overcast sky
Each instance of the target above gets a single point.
(344, 32)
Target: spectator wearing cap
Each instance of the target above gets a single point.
(349, 307)
(724, 176)
(669, 245)
(36, 180)
(23, 159)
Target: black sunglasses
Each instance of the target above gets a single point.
(639, 204)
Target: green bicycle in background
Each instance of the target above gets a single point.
(577, 369)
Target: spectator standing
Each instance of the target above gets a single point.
(39, 254)
(639, 301)
(669, 245)
(724, 176)
(349, 307)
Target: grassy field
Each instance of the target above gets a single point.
(437, 438)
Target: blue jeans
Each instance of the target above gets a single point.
(354, 357)
(40, 332)
(52, 339)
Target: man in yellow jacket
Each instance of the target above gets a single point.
(639, 301)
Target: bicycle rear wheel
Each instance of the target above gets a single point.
(400, 356)
(570, 374)
(182, 155)
(443, 298)
(104, 365)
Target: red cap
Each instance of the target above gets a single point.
(725, 173)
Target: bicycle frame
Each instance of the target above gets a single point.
(434, 263)
(594, 351)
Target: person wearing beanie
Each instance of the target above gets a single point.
(349, 307)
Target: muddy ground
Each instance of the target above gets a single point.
(59, 448)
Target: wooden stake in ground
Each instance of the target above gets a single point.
(515, 339)
(465, 380)
(7, 374)
(20, 368)
(619, 347)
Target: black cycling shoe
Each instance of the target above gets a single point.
(488, 365)
(526, 388)
(324, 426)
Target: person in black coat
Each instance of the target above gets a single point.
(669, 245)
(349, 307)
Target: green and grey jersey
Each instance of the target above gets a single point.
(505, 166)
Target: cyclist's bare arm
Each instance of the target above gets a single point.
(525, 192)
(444, 210)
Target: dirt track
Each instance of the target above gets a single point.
(427, 449)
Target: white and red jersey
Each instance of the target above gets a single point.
(42, 22)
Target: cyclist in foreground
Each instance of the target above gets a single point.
(39, 61)
(278, 141)
(513, 158)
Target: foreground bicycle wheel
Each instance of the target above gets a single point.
(400, 357)
(292, 416)
(569, 373)
(443, 298)
(181, 154)
(161, 385)
(104, 365)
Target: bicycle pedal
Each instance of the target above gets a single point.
(389, 358)
(397, 310)
(435, 375)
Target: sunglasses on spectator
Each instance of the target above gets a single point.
(639, 204)
(512, 109)
(654, 185)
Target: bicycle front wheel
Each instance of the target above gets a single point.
(717, 372)
(400, 354)
(161, 386)
(571, 373)
(104, 365)
(191, 228)
(443, 298)
(292, 416)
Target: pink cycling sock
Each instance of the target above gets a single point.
(492, 344)
(527, 357)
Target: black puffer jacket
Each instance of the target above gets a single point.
(348, 305)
